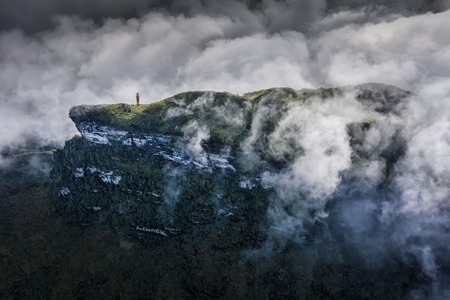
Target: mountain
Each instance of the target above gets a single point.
(270, 194)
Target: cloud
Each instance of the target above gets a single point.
(373, 51)
(251, 63)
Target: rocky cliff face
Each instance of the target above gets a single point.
(254, 167)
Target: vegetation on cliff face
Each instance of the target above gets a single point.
(42, 256)
(152, 193)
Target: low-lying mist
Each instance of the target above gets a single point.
(361, 175)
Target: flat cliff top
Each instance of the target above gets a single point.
(169, 115)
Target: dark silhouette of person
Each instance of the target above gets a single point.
(137, 98)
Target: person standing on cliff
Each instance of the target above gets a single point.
(137, 98)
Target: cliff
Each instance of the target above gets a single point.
(218, 161)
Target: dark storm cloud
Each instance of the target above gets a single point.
(404, 6)
(36, 16)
